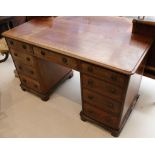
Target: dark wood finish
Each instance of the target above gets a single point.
(30, 83)
(146, 27)
(101, 102)
(100, 116)
(34, 72)
(150, 64)
(111, 63)
(22, 57)
(45, 95)
(102, 87)
(114, 132)
(57, 58)
(51, 74)
(20, 46)
(104, 74)
(118, 106)
(27, 70)
(81, 38)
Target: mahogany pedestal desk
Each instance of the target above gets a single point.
(108, 56)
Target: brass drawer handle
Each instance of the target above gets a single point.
(20, 67)
(24, 46)
(113, 78)
(24, 81)
(11, 42)
(90, 97)
(64, 60)
(28, 59)
(15, 54)
(113, 91)
(42, 53)
(32, 72)
(90, 82)
(90, 69)
(35, 85)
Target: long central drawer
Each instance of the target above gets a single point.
(55, 57)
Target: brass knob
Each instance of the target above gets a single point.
(113, 91)
(90, 69)
(42, 53)
(90, 97)
(64, 60)
(31, 72)
(24, 81)
(24, 46)
(114, 78)
(20, 67)
(36, 86)
(11, 42)
(28, 59)
(15, 54)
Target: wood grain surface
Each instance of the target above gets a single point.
(104, 41)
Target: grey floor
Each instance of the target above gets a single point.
(25, 115)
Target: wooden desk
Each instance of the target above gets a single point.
(108, 56)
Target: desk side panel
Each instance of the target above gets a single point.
(50, 74)
(132, 92)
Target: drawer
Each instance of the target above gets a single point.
(101, 102)
(104, 74)
(20, 46)
(24, 58)
(102, 87)
(100, 116)
(55, 57)
(30, 83)
(26, 70)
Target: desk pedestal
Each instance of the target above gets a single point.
(108, 97)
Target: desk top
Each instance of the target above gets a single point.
(105, 41)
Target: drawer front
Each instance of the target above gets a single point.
(105, 74)
(30, 83)
(20, 46)
(24, 58)
(26, 70)
(101, 102)
(102, 87)
(57, 58)
(100, 116)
